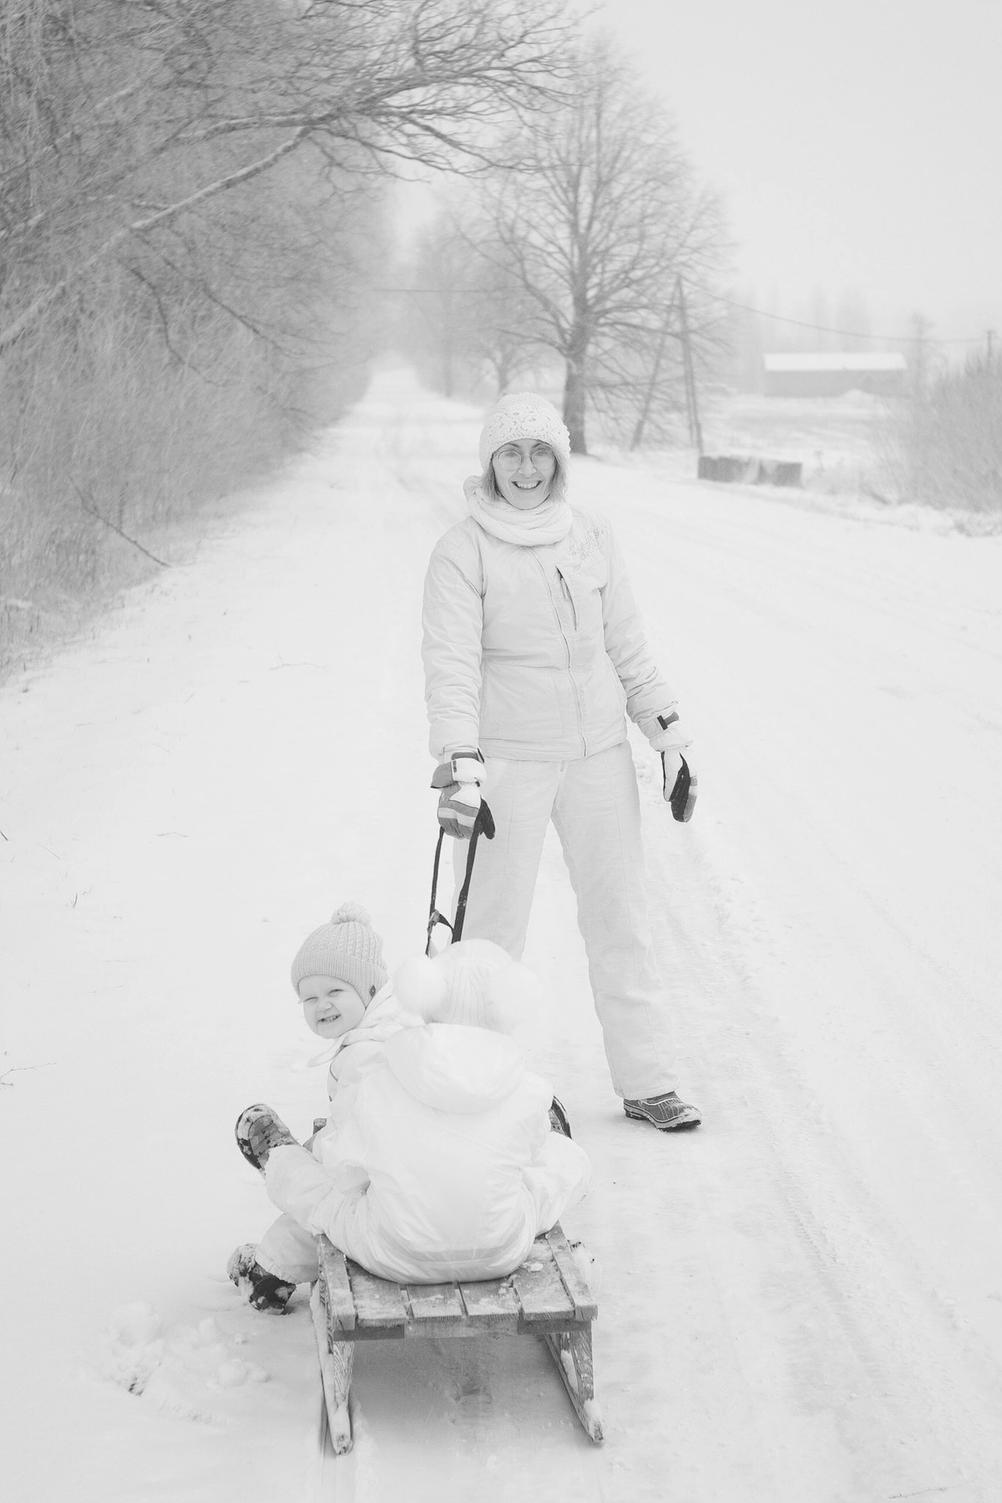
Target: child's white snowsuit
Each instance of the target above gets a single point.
(286, 1250)
(447, 1168)
(357, 1051)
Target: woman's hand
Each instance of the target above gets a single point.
(459, 803)
(679, 785)
(678, 779)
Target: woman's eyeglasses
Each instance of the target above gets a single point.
(511, 458)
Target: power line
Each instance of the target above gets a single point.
(843, 333)
(743, 308)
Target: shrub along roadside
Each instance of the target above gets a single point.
(148, 394)
(954, 439)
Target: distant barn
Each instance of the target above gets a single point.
(831, 374)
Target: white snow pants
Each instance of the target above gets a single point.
(288, 1251)
(314, 1202)
(595, 808)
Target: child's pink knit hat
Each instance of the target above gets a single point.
(346, 949)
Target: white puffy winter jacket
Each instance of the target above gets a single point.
(360, 1049)
(443, 1131)
(534, 652)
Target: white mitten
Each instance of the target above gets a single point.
(670, 735)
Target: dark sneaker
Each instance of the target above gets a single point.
(258, 1131)
(667, 1113)
(265, 1291)
(559, 1120)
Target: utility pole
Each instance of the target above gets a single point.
(919, 356)
(917, 437)
(691, 405)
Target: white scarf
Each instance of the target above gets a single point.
(549, 522)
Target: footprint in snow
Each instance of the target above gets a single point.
(186, 1370)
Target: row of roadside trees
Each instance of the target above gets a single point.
(192, 220)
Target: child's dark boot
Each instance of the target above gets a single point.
(265, 1291)
(258, 1131)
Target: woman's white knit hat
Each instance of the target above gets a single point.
(524, 415)
(347, 949)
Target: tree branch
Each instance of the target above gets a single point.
(42, 304)
(93, 512)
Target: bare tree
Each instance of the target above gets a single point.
(470, 316)
(505, 318)
(120, 118)
(440, 317)
(597, 223)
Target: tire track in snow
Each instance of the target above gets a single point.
(860, 1332)
(917, 1363)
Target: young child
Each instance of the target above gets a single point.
(341, 980)
(447, 1167)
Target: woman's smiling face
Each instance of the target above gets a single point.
(523, 472)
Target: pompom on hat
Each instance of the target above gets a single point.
(524, 415)
(473, 982)
(346, 949)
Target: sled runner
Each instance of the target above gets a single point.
(547, 1296)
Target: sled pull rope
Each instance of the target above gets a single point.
(436, 917)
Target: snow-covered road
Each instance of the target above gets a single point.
(801, 1302)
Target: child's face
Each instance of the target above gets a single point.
(331, 1007)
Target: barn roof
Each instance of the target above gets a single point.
(835, 360)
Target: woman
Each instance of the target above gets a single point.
(533, 650)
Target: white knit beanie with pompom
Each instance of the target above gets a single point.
(473, 982)
(524, 415)
(346, 949)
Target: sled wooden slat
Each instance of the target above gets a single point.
(334, 1287)
(571, 1276)
(435, 1303)
(540, 1288)
(547, 1296)
(378, 1302)
(493, 1304)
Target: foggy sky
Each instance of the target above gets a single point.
(857, 144)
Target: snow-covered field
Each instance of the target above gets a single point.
(799, 1303)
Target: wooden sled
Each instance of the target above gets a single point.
(547, 1297)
